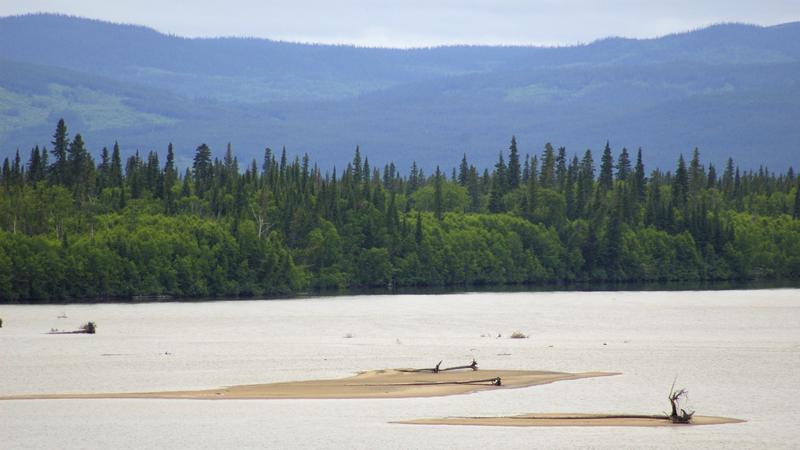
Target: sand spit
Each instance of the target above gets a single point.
(572, 420)
(389, 383)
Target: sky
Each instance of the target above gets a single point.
(421, 23)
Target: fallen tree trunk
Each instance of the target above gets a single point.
(437, 369)
(473, 366)
(496, 381)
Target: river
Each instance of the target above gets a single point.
(736, 351)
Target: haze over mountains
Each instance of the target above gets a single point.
(731, 90)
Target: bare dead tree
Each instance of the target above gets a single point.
(675, 397)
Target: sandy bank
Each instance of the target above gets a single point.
(572, 420)
(390, 383)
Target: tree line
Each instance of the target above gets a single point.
(73, 227)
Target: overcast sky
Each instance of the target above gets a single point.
(413, 23)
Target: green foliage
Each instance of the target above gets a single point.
(70, 229)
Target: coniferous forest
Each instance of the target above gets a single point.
(73, 227)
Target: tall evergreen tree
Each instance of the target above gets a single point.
(514, 169)
(623, 165)
(437, 194)
(473, 190)
(727, 179)
(680, 184)
(526, 169)
(80, 173)
(103, 169)
(697, 176)
(711, 178)
(561, 169)
(463, 171)
(58, 171)
(170, 177)
(585, 184)
(115, 171)
(34, 166)
(605, 180)
(202, 170)
(639, 180)
(500, 176)
(547, 174)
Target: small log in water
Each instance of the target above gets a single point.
(87, 328)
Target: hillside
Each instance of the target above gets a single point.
(731, 90)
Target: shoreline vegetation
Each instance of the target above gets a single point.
(73, 229)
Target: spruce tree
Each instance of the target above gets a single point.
(711, 179)
(79, 167)
(547, 175)
(514, 169)
(463, 171)
(696, 173)
(437, 194)
(585, 184)
(170, 176)
(500, 182)
(639, 180)
(605, 180)
(623, 165)
(115, 171)
(58, 171)
(680, 184)
(561, 169)
(103, 169)
(202, 170)
(473, 190)
(34, 165)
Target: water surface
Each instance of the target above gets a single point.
(738, 353)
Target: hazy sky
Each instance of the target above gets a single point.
(421, 22)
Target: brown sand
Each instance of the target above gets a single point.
(390, 383)
(572, 420)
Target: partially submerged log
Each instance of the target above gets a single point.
(87, 328)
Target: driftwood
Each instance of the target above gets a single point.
(473, 366)
(433, 369)
(87, 328)
(437, 368)
(496, 381)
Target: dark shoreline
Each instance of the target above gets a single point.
(442, 290)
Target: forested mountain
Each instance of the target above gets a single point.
(75, 227)
(731, 90)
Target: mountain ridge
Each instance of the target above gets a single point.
(144, 88)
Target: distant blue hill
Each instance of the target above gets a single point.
(731, 90)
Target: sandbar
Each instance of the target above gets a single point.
(572, 420)
(389, 383)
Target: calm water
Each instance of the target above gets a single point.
(738, 353)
